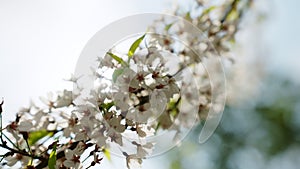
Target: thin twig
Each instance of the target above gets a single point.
(21, 152)
(11, 141)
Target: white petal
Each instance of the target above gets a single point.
(69, 154)
(158, 101)
(25, 126)
(69, 164)
(11, 161)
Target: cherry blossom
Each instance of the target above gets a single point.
(159, 86)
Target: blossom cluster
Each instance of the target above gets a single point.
(159, 86)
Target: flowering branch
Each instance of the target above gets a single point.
(150, 88)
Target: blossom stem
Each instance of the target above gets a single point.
(3, 156)
(1, 119)
(11, 141)
(86, 158)
(1, 127)
(20, 152)
(29, 151)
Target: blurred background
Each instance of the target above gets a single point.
(40, 42)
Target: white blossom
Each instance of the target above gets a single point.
(65, 99)
(72, 159)
(25, 126)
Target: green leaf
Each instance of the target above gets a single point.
(107, 154)
(117, 58)
(37, 135)
(188, 16)
(175, 165)
(208, 10)
(107, 106)
(135, 45)
(168, 26)
(29, 164)
(116, 74)
(234, 14)
(52, 158)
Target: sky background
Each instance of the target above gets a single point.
(40, 42)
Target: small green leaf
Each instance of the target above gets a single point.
(29, 163)
(135, 45)
(232, 41)
(107, 154)
(117, 58)
(234, 14)
(52, 158)
(107, 106)
(188, 16)
(168, 26)
(175, 165)
(116, 74)
(208, 10)
(37, 135)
